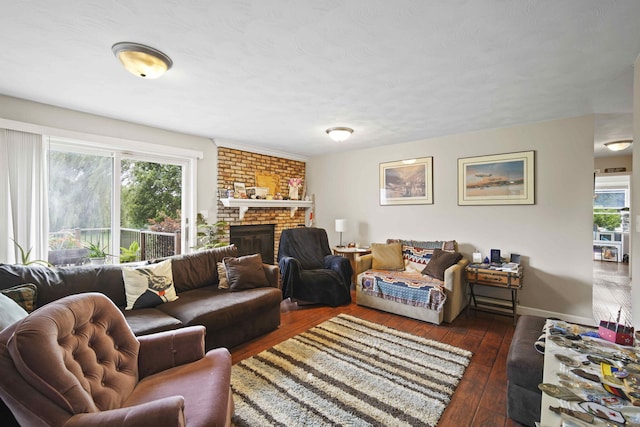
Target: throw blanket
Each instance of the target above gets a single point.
(407, 288)
(309, 271)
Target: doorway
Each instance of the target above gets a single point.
(611, 248)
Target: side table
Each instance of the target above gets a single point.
(509, 280)
(350, 254)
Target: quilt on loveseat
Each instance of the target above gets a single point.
(413, 286)
(405, 287)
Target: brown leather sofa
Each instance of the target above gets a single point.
(230, 318)
(75, 362)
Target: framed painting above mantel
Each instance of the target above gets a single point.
(407, 182)
(500, 179)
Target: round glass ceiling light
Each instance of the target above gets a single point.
(618, 145)
(141, 60)
(339, 133)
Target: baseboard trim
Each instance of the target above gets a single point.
(566, 317)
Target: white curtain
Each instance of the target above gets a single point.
(23, 196)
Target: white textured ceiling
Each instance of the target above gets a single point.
(277, 73)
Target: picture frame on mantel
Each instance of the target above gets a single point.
(407, 182)
(239, 190)
(500, 179)
(268, 180)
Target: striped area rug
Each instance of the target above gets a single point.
(348, 371)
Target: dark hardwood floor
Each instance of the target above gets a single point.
(611, 291)
(480, 399)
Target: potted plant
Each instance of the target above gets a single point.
(210, 235)
(131, 253)
(25, 255)
(65, 249)
(97, 254)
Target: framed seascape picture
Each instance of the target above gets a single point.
(407, 182)
(501, 179)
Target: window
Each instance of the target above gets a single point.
(80, 199)
(607, 207)
(614, 199)
(131, 204)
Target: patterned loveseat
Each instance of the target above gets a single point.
(408, 292)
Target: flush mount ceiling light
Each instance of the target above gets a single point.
(339, 134)
(142, 61)
(618, 145)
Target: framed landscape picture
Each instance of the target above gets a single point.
(407, 182)
(501, 179)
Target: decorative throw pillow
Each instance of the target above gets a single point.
(387, 256)
(10, 311)
(223, 283)
(24, 295)
(149, 285)
(245, 272)
(440, 261)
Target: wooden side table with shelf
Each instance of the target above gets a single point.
(508, 280)
(351, 254)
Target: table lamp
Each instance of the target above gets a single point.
(341, 226)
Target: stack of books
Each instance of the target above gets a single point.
(507, 266)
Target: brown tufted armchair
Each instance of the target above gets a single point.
(75, 362)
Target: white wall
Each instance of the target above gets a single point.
(635, 200)
(554, 236)
(34, 113)
(603, 163)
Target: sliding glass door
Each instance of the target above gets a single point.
(129, 205)
(150, 209)
(80, 200)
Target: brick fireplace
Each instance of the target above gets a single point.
(241, 166)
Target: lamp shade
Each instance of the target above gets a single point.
(341, 225)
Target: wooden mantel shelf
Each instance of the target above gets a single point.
(245, 204)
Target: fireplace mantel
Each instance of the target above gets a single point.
(245, 204)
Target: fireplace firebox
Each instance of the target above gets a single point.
(252, 239)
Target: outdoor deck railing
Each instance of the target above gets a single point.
(153, 244)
